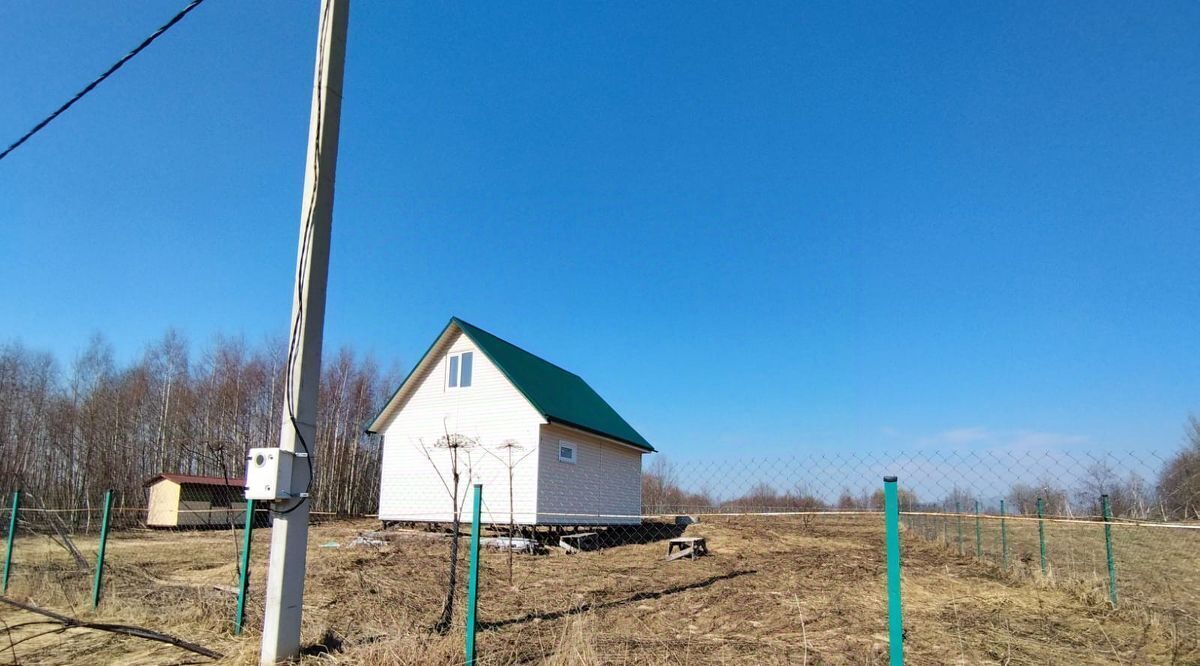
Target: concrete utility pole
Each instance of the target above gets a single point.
(289, 536)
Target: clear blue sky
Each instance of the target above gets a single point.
(785, 226)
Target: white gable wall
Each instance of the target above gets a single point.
(603, 486)
(491, 411)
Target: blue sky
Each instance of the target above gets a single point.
(776, 228)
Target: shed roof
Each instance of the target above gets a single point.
(560, 396)
(188, 479)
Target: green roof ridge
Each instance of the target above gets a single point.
(558, 394)
(466, 324)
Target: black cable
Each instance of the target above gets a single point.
(88, 88)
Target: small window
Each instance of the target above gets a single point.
(459, 374)
(464, 378)
(566, 452)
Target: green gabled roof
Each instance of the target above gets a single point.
(560, 396)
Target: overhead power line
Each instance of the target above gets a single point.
(88, 88)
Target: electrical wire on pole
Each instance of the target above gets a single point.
(99, 79)
(284, 595)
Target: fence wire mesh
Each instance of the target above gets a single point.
(790, 568)
(791, 565)
(172, 562)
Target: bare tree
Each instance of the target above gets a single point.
(662, 491)
(958, 499)
(1128, 498)
(906, 499)
(1179, 481)
(458, 450)
(847, 501)
(106, 426)
(510, 447)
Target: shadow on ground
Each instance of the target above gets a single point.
(588, 607)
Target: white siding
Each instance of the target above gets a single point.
(492, 412)
(603, 486)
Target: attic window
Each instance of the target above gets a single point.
(566, 452)
(460, 370)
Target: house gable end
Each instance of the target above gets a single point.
(423, 372)
(556, 394)
(493, 418)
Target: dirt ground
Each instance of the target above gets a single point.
(773, 591)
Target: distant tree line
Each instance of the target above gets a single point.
(67, 434)
(1174, 495)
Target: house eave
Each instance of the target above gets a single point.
(386, 412)
(596, 433)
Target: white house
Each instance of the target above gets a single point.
(574, 460)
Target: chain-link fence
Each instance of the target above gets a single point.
(1008, 557)
(1005, 559)
(53, 551)
(169, 561)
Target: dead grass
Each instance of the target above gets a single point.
(1157, 572)
(774, 591)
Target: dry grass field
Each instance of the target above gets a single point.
(773, 591)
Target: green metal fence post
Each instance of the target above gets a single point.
(244, 579)
(1003, 538)
(12, 536)
(96, 584)
(958, 512)
(1041, 510)
(892, 525)
(1108, 549)
(978, 534)
(945, 530)
(473, 577)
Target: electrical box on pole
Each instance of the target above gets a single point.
(291, 481)
(269, 475)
